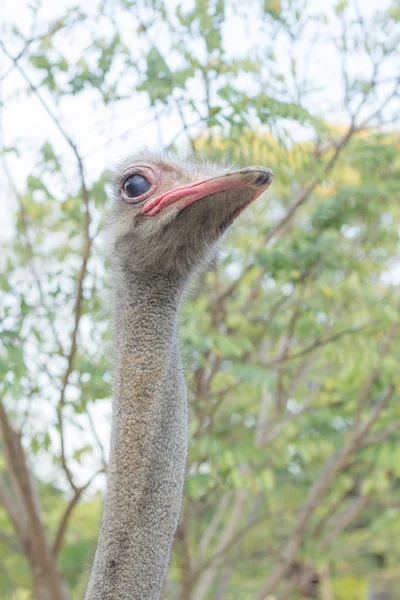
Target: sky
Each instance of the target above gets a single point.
(96, 128)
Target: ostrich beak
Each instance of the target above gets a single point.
(257, 179)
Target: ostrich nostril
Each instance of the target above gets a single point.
(263, 179)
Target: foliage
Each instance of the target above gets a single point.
(290, 339)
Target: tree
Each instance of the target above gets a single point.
(292, 485)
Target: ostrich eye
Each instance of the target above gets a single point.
(136, 185)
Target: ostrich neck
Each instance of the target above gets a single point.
(148, 443)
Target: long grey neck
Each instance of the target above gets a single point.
(148, 443)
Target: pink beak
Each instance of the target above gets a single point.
(257, 179)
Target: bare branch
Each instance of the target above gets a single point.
(13, 507)
(29, 247)
(73, 348)
(343, 520)
(374, 374)
(208, 576)
(56, 121)
(363, 428)
(185, 125)
(213, 526)
(97, 440)
(58, 540)
(15, 59)
(320, 343)
(263, 419)
(383, 434)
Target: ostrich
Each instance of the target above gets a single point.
(168, 216)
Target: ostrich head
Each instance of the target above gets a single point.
(169, 212)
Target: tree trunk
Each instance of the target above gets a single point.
(47, 581)
(21, 502)
(326, 583)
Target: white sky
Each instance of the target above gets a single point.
(95, 127)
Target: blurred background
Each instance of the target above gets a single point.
(291, 341)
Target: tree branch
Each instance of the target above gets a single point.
(31, 533)
(383, 434)
(299, 200)
(208, 576)
(59, 538)
(13, 507)
(320, 343)
(335, 463)
(344, 519)
(29, 247)
(83, 270)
